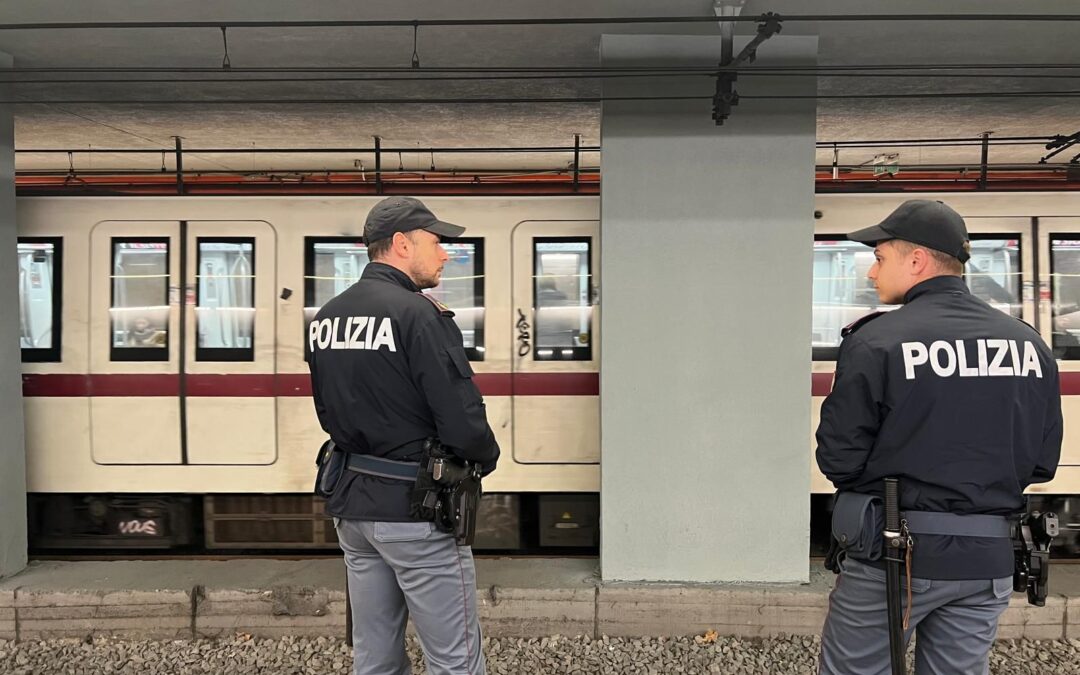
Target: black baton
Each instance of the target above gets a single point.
(894, 561)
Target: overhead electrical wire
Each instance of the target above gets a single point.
(902, 142)
(368, 149)
(1033, 166)
(708, 70)
(494, 78)
(542, 100)
(539, 21)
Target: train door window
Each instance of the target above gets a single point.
(562, 279)
(139, 314)
(225, 299)
(842, 293)
(462, 290)
(1065, 298)
(331, 264)
(993, 272)
(40, 270)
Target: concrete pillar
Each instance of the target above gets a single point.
(707, 238)
(12, 450)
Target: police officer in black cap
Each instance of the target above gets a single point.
(389, 371)
(961, 402)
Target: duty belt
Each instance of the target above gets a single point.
(952, 524)
(383, 468)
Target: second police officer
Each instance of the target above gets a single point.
(961, 402)
(389, 371)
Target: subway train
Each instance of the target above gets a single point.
(167, 401)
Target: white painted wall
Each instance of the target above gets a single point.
(705, 384)
(12, 452)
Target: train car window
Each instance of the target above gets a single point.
(842, 293)
(462, 290)
(225, 299)
(1065, 296)
(139, 315)
(562, 298)
(332, 264)
(40, 282)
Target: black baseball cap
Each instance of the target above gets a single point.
(925, 222)
(405, 214)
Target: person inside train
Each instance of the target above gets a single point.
(959, 401)
(143, 334)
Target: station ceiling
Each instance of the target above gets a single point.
(56, 118)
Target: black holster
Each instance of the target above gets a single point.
(1032, 534)
(330, 467)
(447, 492)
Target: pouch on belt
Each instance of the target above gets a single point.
(331, 464)
(857, 521)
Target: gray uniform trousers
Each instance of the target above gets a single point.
(954, 622)
(398, 570)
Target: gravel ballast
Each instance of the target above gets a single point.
(241, 655)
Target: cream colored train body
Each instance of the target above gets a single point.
(180, 324)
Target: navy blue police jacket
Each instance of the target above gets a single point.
(958, 400)
(388, 370)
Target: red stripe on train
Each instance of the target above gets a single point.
(490, 384)
(101, 385)
(821, 383)
(1070, 383)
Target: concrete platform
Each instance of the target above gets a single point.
(518, 598)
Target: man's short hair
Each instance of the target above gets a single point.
(379, 248)
(944, 262)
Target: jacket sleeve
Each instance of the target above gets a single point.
(443, 375)
(1050, 453)
(850, 415)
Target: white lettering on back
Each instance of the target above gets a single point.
(947, 360)
(996, 369)
(1031, 361)
(385, 336)
(961, 357)
(942, 369)
(915, 354)
(349, 333)
(356, 340)
(1015, 356)
(325, 330)
(335, 343)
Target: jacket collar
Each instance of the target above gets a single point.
(943, 284)
(384, 272)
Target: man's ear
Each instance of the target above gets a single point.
(920, 258)
(401, 244)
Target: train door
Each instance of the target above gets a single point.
(182, 376)
(229, 353)
(1059, 316)
(135, 412)
(556, 362)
